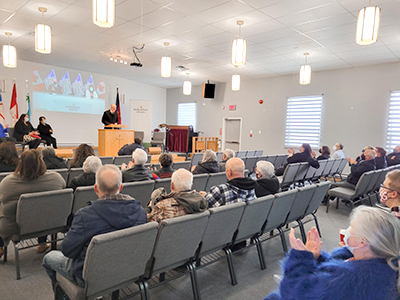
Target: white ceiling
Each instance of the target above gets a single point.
(200, 33)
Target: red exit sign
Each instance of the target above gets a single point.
(232, 107)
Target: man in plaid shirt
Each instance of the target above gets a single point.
(236, 189)
(390, 192)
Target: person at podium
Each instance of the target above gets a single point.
(110, 117)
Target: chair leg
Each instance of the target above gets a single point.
(144, 290)
(302, 231)
(16, 250)
(162, 276)
(327, 204)
(115, 295)
(5, 253)
(260, 253)
(54, 241)
(193, 278)
(232, 273)
(316, 224)
(283, 240)
(337, 203)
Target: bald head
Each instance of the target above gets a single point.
(113, 107)
(181, 180)
(108, 181)
(234, 168)
(369, 154)
(397, 149)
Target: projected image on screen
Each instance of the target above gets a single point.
(68, 94)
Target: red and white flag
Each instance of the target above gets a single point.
(14, 105)
(2, 119)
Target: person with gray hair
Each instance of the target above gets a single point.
(136, 171)
(181, 201)
(51, 160)
(112, 211)
(226, 155)
(267, 182)
(208, 164)
(88, 177)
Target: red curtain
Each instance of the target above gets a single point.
(177, 140)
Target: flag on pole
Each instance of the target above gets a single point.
(14, 105)
(2, 119)
(118, 108)
(29, 106)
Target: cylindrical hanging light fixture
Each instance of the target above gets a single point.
(9, 54)
(236, 82)
(305, 72)
(103, 13)
(166, 63)
(187, 86)
(368, 25)
(43, 35)
(239, 48)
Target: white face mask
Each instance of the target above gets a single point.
(334, 147)
(347, 234)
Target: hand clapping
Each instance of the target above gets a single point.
(313, 243)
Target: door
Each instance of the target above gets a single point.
(232, 134)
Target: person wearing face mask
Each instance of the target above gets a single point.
(394, 157)
(366, 268)
(110, 117)
(46, 131)
(338, 151)
(24, 132)
(324, 151)
(267, 182)
(390, 192)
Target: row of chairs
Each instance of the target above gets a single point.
(197, 157)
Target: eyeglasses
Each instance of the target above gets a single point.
(386, 188)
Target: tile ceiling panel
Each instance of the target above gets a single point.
(131, 9)
(73, 14)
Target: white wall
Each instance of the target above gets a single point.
(355, 106)
(87, 132)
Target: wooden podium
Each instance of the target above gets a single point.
(111, 140)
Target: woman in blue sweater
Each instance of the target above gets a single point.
(366, 268)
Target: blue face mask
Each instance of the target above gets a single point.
(347, 234)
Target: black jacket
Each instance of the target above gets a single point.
(44, 130)
(128, 149)
(54, 162)
(393, 159)
(302, 157)
(109, 118)
(206, 167)
(84, 179)
(322, 157)
(358, 169)
(267, 186)
(380, 162)
(21, 129)
(137, 173)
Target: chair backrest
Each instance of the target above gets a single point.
(43, 213)
(139, 134)
(382, 176)
(254, 216)
(215, 179)
(375, 183)
(119, 160)
(177, 240)
(158, 137)
(4, 174)
(251, 153)
(301, 172)
(335, 166)
(181, 165)
(343, 164)
(219, 156)
(196, 158)
(310, 173)
(317, 197)
(148, 159)
(222, 224)
(165, 183)
(199, 182)
(154, 167)
(250, 163)
(11, 131)
(62, 172)
(73, 172)
(271, 159)
(83, 195)
(320, 170)
(363, 183)
(289, 174)
(328, 167)
(241, 154)
(280, 160)
(106, 160)
(140, 190)
(259, 153)
(122, 253)
(301, 203)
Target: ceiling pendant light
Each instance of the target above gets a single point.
(239, 48)
(103, 13)
(368, 25)
(236, 81)
(305, 72)
(166, 63)
(187, 86)
(43, 35)
(9, 54)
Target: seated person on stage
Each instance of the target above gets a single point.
(80, 154)
(24, 132)
(362, 155)
(238, 188)
(380, 159)
(3, 134)
(128, 149)
(51, 160)
(209, 163)
(181, 201)
(90, 167)
(110, 117)
(112, 211)
(394, 157)
(390, 192)
(366, 268)
(303, 156)
(267, 182)
(9, 158)
(325, 153)
(46, 131)
(228, 154)
(338, 151)
(136, 171)
(166, 160)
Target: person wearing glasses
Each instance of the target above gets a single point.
(390, 192)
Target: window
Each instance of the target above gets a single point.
(187, 114)
(303, 121)
(393, 121)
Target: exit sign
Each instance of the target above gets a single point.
(232, 107)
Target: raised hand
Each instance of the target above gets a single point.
(313, 243)
(296, 244)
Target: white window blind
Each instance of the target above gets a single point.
(393, 121)
(187, 114)
(303, 121)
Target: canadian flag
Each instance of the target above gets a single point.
(14, 105)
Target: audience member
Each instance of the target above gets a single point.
(113, 211)
(181, 201)
(3, 134)
(166, 160)
(46, 132)
(24, 132)
(325, 153)
(228, 154)
(30, 176)
(128, 149)
(51, 160)
(88, 177)
(209, 163)
(394, 157)
(338, 151)
(390, 192)
(136, 171)
(81, 153)
(362, 154)
(380, 159)
(367, 268)
(303, 156)
(267, 182)
(8, 157)
(238, 188)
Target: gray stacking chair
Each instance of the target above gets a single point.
(140, 190)
(335, 167)
(215, 179)
(154, 167)
(251, 153)
(181, 165)
(320, 170)
(40, 214)
(328, 168)
(176, 244)
(196, 158)
(222, 225)
(250, 163)
(4, 174)
(259, 153)
(289, 175)
(158, 139)
(343, 164)
(199, 182)
(374, 185)
(83, 195)
(113, 261)
(106, 160)
(301, 172)
(271, 159)
(73, 172)
(241, 154)
(62, 172)
(164, 183)
(280, 160)
(310, 173)
(139, 134)
(119, 160)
